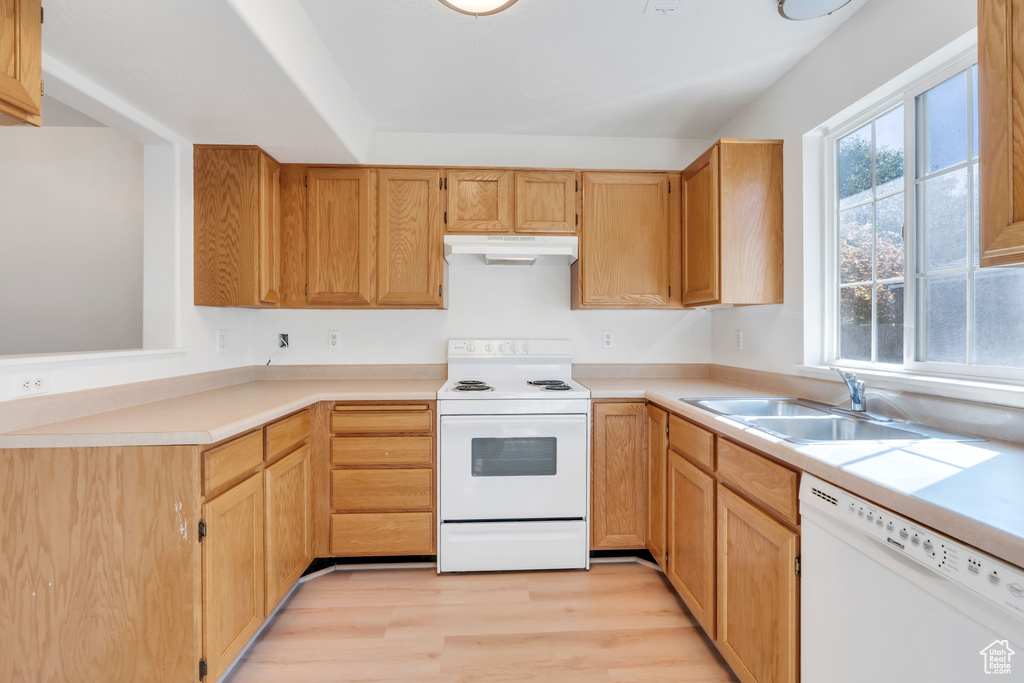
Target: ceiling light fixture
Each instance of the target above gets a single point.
(799, 10)
(478, 8)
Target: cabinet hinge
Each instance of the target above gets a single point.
(446, 218)
(305, 289)
(669, 292)
(42, 87)
(446, 183)
(666, 430)
(305, 181)
(440, 290)
(202, 530)
(42, 16)
(577, 219)
(202, 669)
(798, 566)
(577, 186)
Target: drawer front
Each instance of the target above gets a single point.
(690, 441)
(284, 436)
(761, 479)
(369, 534)
(225, 463)
(382, 489)
(382, 421)
(382, 450)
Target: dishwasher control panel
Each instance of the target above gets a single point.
(995, 580)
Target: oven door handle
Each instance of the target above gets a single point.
(574, 419)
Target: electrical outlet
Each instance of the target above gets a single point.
(607, 339)
(222, 341)
(739, 340)
(333, 340)
(31, 385)
(282, 341)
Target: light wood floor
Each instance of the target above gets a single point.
(616, 623)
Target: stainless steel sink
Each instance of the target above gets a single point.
(804, 421)
(763, 407)
(832, 428)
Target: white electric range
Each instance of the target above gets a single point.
(513, 458)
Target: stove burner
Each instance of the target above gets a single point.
(546, 382)
(472, 387)
(469, 382)
(556, 387)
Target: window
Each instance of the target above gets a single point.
(908, 291)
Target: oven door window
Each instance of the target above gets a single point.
(515, 457)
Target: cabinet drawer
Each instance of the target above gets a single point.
(762, 480)
(284, 436)
(382, 489)
(382, 421)
(225, 463)
(395, 533)
(382, 450)
(695, 444)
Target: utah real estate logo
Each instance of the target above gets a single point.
(997, 657)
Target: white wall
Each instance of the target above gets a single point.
(883, 40)
(71, 227)
(486, 302)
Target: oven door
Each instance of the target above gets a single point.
(505, 467)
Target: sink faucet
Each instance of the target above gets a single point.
(856, 388)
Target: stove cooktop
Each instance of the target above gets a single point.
(511, 387)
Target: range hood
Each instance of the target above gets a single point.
(511, 250)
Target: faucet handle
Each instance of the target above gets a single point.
(847, 376)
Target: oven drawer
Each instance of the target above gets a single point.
(382, 533)
(504, 546)
(382, 450)
(382, 489)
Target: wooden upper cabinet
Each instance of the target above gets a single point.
(1001, 131)
(479, 201)
(624, 241)
(409, 252)
(545, 202)
(339, 233)
(732, 225)
(618, 481)
(21, 54)
(237, 227)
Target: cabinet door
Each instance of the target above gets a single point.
(289, 540)
(339, 232)
(691, 538)
(409, 251)
(701, 239)
(1001, 131)
(757, 592)
(269, 230)
(657, 454)
(546, 202)
(624, 240)
(479, 201)
(233, 578)
(20, 62)
(618, 481)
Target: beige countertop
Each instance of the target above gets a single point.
(211, 416)
(972, 491)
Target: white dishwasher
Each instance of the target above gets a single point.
(885, 600)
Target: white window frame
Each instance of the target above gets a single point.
(911, 367)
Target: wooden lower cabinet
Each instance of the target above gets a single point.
(288, 532)
(691, 538)
(757, 592)
(382, 533)
(657, 452)
(618, 478)
(233, 572)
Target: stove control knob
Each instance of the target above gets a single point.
(526, 347)
(489, 348)
(501, 348)
(512, 347)
(471, 347)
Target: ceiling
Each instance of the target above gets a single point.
(315, 86)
